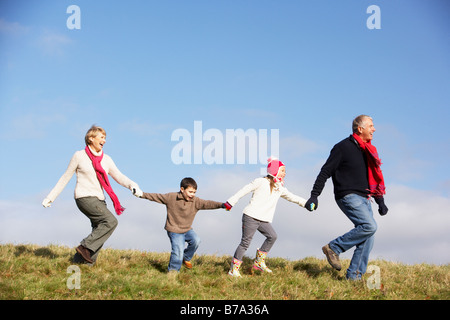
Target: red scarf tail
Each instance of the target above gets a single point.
(375, 176)
(104, 181)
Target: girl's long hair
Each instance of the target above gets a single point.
(272, 183)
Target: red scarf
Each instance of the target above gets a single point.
(104, 181)
(376, 180)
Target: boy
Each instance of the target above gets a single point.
(182, 207)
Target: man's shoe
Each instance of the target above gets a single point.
(187, 264)
(332, 257)
(85, 253)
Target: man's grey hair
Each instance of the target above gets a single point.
(359, 121)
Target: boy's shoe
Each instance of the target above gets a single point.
(234, 270)
(260, 262)
(332, 257)
(85, 253)
(187, 264)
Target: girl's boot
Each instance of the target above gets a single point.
(234, 270)
(260, 263)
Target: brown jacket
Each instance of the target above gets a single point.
(181, 213)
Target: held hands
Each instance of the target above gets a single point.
(312, 203)
(382, 209)
(137, 192)
(227, 206)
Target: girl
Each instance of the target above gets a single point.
(258, 214)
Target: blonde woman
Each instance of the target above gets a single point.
(92, 167)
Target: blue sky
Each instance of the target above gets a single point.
(143, 69)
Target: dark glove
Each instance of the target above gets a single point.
(312, 203)
(382, 209)
(227, 206)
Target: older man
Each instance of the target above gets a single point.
(354, 166)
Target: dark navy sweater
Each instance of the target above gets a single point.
(347, 166)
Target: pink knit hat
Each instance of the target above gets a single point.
(273, 167)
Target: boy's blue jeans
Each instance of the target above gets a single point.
(359, 210)
(179, 253)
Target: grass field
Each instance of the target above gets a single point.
(44, 273)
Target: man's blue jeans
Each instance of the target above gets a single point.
(359, 210)
(179, 253)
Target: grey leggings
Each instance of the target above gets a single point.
(249, 227)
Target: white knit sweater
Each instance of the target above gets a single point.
(263, 202)
(87, 182)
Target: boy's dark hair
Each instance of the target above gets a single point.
(188, 182)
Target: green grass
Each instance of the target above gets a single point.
(35, 272)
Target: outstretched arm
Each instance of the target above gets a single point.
(122, 179)
(293, 198)
(156, 197)
(326, 172)
(201, 204)
(62, 182)
(245, 190)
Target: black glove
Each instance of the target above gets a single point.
(382, 209)
(312, 203)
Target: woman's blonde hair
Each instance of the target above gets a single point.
(92, 133)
